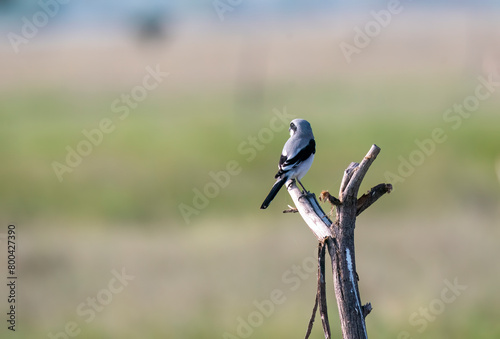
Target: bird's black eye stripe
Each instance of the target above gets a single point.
(293, 127)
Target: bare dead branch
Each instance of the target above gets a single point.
(349, 171)
(339, 238)
(323, 311)
(311, 212)
(359, 172)
(320, 296)
(367, 199)
(313, 316)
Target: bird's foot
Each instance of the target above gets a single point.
(306, 195)
(304, 191)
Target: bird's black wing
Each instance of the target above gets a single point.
(286, 164)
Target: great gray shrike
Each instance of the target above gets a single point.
(296, 158)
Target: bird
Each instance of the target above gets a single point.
(296, 158)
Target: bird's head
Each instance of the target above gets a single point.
(299, 126)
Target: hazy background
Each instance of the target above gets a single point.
(118, 208)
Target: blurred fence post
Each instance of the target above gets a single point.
(339, 238)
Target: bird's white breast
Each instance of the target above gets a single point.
(303, 168)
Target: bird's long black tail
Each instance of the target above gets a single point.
(274, 190)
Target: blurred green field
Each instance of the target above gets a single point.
(120, 208)
(165, 148)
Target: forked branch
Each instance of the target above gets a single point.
(339, 238)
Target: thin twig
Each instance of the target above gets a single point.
(367, 308)
(326, 196)
(323, 311)
(316, 300)
(313, 315)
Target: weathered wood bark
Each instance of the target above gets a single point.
(339, 238)
(342, 253)
(311, 212)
